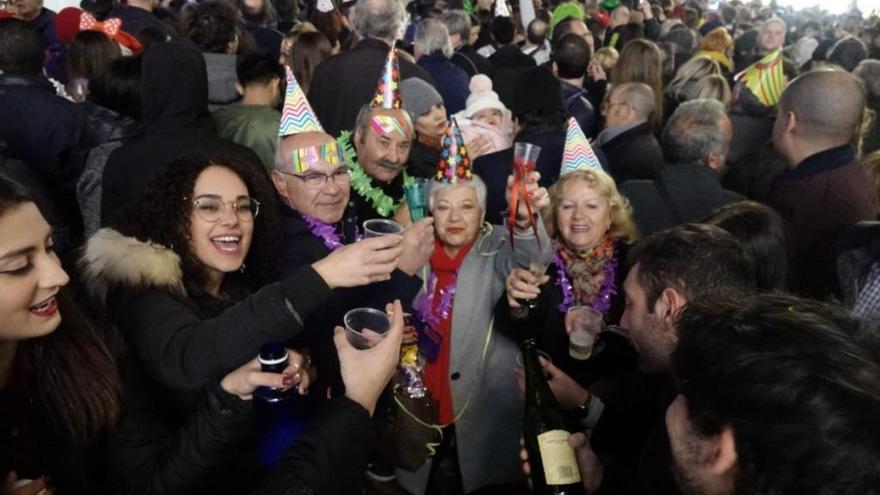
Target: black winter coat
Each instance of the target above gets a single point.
(633, 155)
(691, 191)
(343, 83)
(176, 121)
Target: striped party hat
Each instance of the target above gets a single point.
(765, 79)
(578, 154)
(297, 116)
(388, 92)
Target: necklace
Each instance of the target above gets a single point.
(602, 301)
(323, 231)
(363, 183)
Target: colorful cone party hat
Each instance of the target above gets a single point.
(765, 79)
(297, 116)
(388, 92)
(578, 154)
(454, 164)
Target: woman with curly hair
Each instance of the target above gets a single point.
(188, 279)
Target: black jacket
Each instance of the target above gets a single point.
(508, 63)
(135, 19)
(691, 191)
(472, 62)
(46, 132)
(175, 120)
(633, 155)
(857, 249)
(343, 83)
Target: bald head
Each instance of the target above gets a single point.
(639, 96)
(827, 106)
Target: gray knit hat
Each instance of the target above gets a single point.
(418, 96)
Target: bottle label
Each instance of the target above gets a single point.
(557, 457)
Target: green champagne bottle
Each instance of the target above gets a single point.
(554, 468)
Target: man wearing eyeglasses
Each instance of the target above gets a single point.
(632, 150)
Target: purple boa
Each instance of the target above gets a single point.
(602, 301)
(323, 231)
(429, 319)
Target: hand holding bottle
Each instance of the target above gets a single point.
(364, 262)
(589, 465)
(243, 381)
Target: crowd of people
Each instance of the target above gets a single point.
(185, 182)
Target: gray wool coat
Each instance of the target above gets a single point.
(485, 398)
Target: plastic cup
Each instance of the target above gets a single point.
(366, 327)
(585, 323)
(525, 158)
(417, 199)
(378, 227)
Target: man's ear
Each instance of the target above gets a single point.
(790, 122)
(239, 89)
(280, 185)
(724, 458)
(669, 306)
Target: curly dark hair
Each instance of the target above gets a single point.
(162, 216)
(212, 25)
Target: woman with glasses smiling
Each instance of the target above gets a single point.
(189, 280)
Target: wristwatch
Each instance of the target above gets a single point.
(590, 411)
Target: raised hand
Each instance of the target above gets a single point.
(418, 245)
(364, 262)
(366, 372)
(523, 284)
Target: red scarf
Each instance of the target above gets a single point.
(437, 372)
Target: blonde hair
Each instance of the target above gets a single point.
(620, 211)
(607, 58)
(713, 87)
(692, 70)
(719, 40)
(642, 61)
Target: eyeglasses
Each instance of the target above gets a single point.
(315, 180)
(212, 208)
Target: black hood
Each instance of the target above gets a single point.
(174, 88)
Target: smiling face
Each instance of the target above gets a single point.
(384, 155)
(433, 122)
(221, 245)
(583, 215)
(457, 215)
(328, 201)
(30, 275)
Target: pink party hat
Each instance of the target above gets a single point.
(297, 116)
(578, 154)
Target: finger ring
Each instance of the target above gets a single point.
(296, 365)
(297, 376)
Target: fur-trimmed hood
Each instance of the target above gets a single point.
(111, 259)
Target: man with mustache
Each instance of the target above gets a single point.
(378, 151)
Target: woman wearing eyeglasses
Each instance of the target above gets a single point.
(188, 279)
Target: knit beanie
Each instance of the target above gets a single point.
(482, 96)
(537, 89)
(418, 97)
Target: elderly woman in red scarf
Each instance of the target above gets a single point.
(469, 365)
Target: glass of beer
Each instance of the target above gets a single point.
(583, 324)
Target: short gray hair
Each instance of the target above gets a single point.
(694, 132)
(476, 183)
(432, 36)
(773, 20)
(640, 98)
(381, 19)
(458, 22)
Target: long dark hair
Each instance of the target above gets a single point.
(70, 372)
(162, 216)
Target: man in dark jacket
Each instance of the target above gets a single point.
(508, 61)
(571, 56)
(695, 142)
(825, 189)
(343, 83)
(432, 51)
(137, 15)
(176, 120)
(632, 150)
(458, 22)
(40, 128)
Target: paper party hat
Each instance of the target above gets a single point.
(578, 154)
(388, 92)
(454, 164)
(297, 116)
(765, 79)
